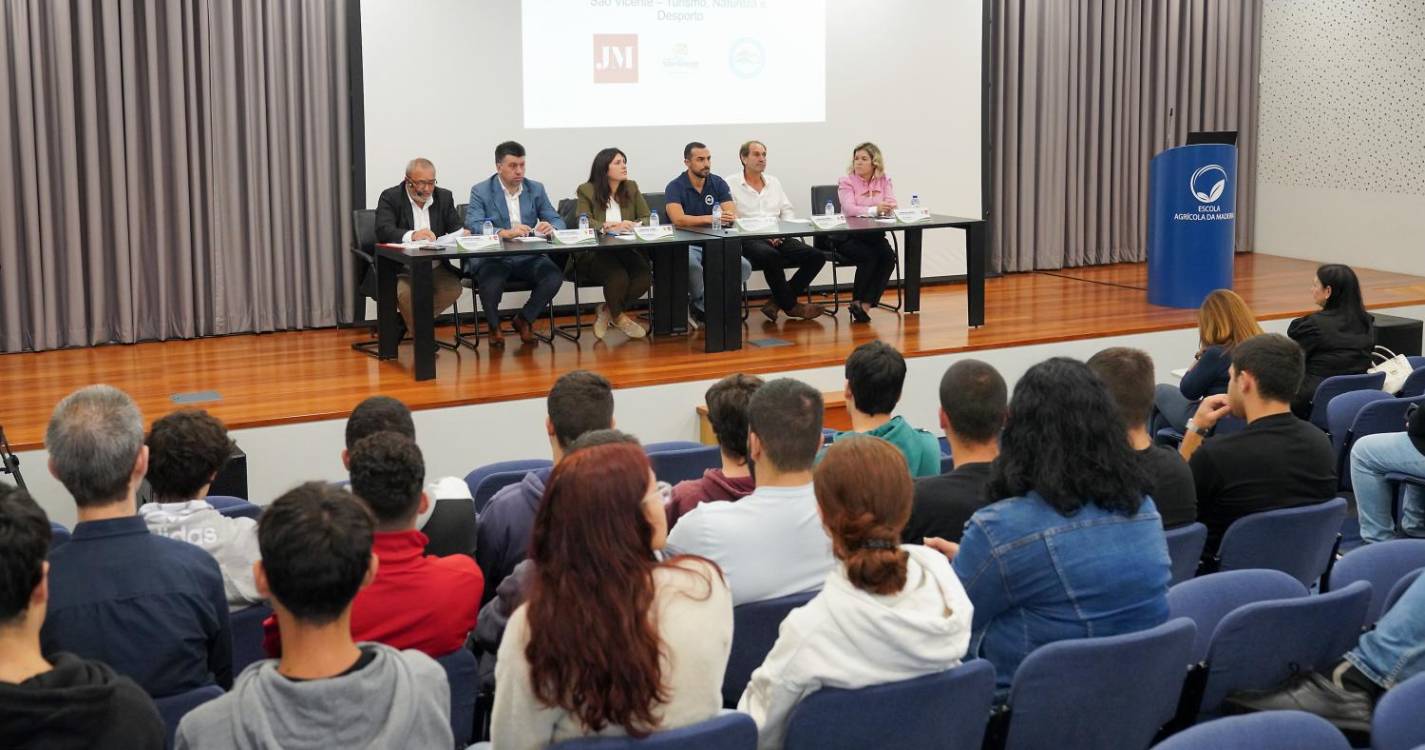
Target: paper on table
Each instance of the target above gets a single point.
(797, 221)
(623, 236)
(530, 239)
(443, 242)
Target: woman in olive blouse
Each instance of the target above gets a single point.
(614, 204)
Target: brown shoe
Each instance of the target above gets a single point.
(522, 327)
(806, 311)
(771, 311)
(497, 339)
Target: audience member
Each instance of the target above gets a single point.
(186, 449)
(61, 702)
(1346, 696)
(1223, 321)
(1338, 339)
(760, 195)
(973, 402)
(866, 190)
(327, 690)
(1067, 474)
(727, 401)
(691, 197)
(151, 607)
(416, 210)
(770, 543)
(886, 612)
(449, 520)
(1128, 374)
(416, 601)
(875, 376)
(611, 642)
(579, 402)
(614, 204)
(1278, 461)
(1375, 456)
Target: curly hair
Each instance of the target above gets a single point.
(1066, 440)
(185, 449)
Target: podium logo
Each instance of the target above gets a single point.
(1203, 178)
(615, 58)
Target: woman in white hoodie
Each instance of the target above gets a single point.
(888, 612)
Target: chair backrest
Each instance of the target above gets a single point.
(1336, 385)
(235, 507)
(947, 463)
(820, 194)
(1396, 724)
(1398, 590)
(686, 463)
(1382, 414)
(460, 211)
(754, 630)
(1298, 541)
(948, 709)
(658, 202)
(246, 626)
(174, 707)
(567, 210)
(485, 481)
(1341, 414)
(1063, 692)
(670, 445)
(58, 536)
(728, 730)
(1256, 646)
(363, 227)
(1185, 550)
(463, 673)
(1269, 730)
(1382, 565)
(1207, 599)
(1414, 383)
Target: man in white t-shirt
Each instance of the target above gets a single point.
(770, 543)
(758, 194)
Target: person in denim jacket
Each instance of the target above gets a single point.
(1074, 547)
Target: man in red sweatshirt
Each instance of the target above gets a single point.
(727, 412)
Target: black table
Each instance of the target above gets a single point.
(669, 256)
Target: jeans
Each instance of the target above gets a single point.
(491, 274)
(1372, 457)
(1173, 408)
(1395, 651)
(695, 275)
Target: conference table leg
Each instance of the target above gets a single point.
(670, 289)
(388, 330)
(911, 275)
(722, 279)
(975, 262)
(423, 318)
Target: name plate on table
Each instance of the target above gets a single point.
(757, 224)
(654, 233)
(572, 236)
(475, 242)
(912, 215)
(827, 221)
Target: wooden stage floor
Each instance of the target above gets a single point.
(278, 378)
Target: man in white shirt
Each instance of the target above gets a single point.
(758, 194)
(770, 543)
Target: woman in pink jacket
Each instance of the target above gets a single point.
(866, 190)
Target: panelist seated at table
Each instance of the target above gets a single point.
(518, 207)
(691, 197)
(866, 190)
(418, 210)
(757, 195)
(614, 203)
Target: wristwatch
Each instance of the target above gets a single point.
(1201, 431)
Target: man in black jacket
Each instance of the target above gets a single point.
(61, 701)
(417, 210)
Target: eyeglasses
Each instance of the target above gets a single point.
(422, 183)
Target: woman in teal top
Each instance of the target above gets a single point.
(613, 203)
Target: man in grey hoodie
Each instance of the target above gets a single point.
(326, 691)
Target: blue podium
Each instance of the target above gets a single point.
(1192, 195)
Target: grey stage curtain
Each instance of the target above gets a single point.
(172, 168)
(1085, 92)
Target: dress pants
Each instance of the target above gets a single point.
(623, 271)
(445, 283)
(491, 274)
(772, 262)
(874, 261)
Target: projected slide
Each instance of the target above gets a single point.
(607, 63)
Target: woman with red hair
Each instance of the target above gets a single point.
(610, 641)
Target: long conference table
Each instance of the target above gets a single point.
(722, 260)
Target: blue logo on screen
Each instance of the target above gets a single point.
(746, 58)
(1203, 177)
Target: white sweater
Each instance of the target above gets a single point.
(231, 541)
(849, 638)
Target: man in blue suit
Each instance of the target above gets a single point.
(518, 208)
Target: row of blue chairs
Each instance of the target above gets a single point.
(673, 462)
(1299, 541)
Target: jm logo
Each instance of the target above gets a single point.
(1214, 191)
(615, 58)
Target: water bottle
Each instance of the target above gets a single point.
(488, 228)
(914, 200)
(653, 218)
(583, 223)
(830, 209)
(717, 216)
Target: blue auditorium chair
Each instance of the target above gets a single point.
(1377, 416)
(235, 507)
(1398, 590)
(1207, 599)
(485, 481)
(1269, 730)
(1397, 724)
(1334, 386)
(948, 709)
(1382, 565)
(58, 536)
(675, 465)
(728, 730)
(174, 707)
(1298, 541)
(754, 629)
(463, 673)
(246, 627)
(1185, 545)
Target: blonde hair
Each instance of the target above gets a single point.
(1225, 320)
(878, 163)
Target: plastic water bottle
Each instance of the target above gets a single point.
(488, 228)
(830, 209)
(914, 200)
(717, 216)
(652, 218)
(583, 223)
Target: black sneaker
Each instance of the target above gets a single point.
(1313, 693)
(696, 318)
